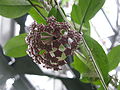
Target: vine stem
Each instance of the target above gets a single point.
(85, 44)
(95, 64)
(37, 9)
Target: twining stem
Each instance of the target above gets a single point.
(94, 64)
(37, 9)
(90, 53)
(85, 44)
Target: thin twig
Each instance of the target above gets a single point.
(118, 11)
(37, 9)
(87, 48)
(113, 41)
(108, 20)
(98, 35)
(117, 26)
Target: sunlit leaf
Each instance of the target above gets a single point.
(16, 47)
(118, 88)
(76, 14)
(85, 68)
(36, 16)
(93, 7)
(114, 57)
(87, 9)
(54, 12)
(99, 84)
(86, 28)
(99, 56)
(79, 65)
(14, 8)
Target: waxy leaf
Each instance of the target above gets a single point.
(86, 9)
(90, 7)
(16, 47)
(98, 82)
(114, 57)
(76, 14)
(14, 8)
(86, 28)
(118, 88)
(55, 12)
(99, 56)
(85, 68)
(36, 16)
(79, 65)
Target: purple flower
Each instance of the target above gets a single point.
(50, 44)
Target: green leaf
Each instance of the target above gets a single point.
(14, 2)
(87, 8)
(16, 47)
(99, 56)
(85, 68)
(36, 16)
(86, 28)
(14, 8)
(114, 57)
(118, 88)
(98, 82)
(93, 7)
(79, 65)
(76, 14)
(54, 12)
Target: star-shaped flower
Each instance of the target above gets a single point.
(50, 44)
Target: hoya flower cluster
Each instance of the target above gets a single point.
(50, 44)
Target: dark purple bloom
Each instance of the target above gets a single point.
(50, 44)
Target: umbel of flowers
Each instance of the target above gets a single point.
(50, 44)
